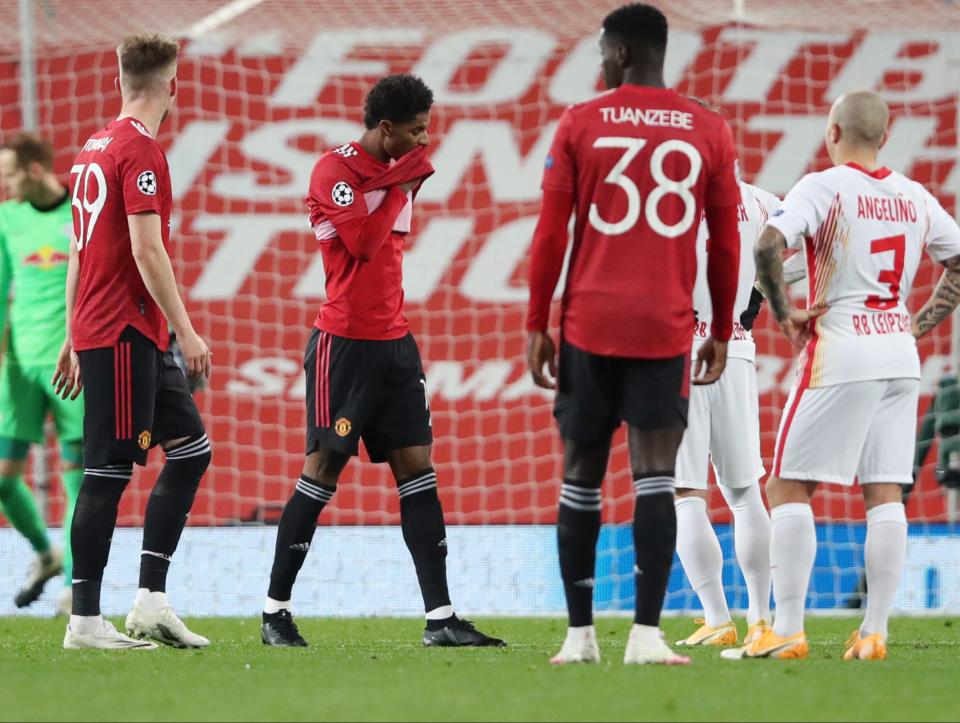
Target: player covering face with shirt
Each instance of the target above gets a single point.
(364, 376)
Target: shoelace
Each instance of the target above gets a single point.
(286, 625)
(465, 625)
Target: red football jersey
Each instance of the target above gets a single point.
(642, 163)
(120, 171)
(364, 297)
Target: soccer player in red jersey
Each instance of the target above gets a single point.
(120, 293)
(364, 376)
(641, 165)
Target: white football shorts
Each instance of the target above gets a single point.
(859, 429)
(723, 425)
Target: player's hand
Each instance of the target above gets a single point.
(798, 326)
(66, 379)
(541, 352)
(915, 329)
(711, 360)
(196, 354)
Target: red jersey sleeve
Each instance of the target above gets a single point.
(722, 188)
(560, 168)
(143, 175)
(334, 193)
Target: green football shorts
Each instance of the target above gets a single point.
(26, 397)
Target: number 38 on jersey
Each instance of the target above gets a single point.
(660, 161)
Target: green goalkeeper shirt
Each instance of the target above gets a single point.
(34, 252)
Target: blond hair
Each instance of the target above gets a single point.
(144, 60)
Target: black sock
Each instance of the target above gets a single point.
(578, 528)
(421, 519)
(168, 508)
(94, 518)
(654, 542)
(297, 525)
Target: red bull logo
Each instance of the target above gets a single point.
(46, 258)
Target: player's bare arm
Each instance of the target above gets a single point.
(66, 379)
(157, 272)
(945, 298)
(769, 256)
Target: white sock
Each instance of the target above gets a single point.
(85, 624)
(646, 635)
(702, 558)
(885, 548)
(272, 607)
(441, 613)
(147, 600)
(751, 539)
(793, 548)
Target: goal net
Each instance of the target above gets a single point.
(264, 87)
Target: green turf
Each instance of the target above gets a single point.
(375, 669)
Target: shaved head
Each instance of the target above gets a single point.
(862, 117)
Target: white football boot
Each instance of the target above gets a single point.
(102, 635)
(163, 625)
(580, 646)
(65, 601)
(646, 646)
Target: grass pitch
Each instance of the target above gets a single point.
(375, 669)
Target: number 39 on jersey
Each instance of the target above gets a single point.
(89, 198)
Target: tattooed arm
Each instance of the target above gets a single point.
(769, 257)
(944, 300)
(796, 323)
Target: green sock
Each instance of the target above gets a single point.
(72, 479)
(17, 503)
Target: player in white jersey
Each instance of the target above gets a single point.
(853, 408)
(723, 426)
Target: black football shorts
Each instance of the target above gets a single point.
(595, 393)
(135, 397)
(365, 389)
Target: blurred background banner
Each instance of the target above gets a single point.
(265, 87)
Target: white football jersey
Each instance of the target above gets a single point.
(756, 206)
(862, 234)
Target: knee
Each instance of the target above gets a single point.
(883, 493)
(410, 461)
(786, 491)
(325, 466)
(743, 499)
(683, 493)
(71, 456)
(12, 465)
(585, 463)
(192, 457)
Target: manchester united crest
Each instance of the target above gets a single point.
(343, 427)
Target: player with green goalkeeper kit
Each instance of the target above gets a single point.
(35, 233)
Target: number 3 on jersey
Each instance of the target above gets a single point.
(665, 186)
(890, 277)
(81, 202)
